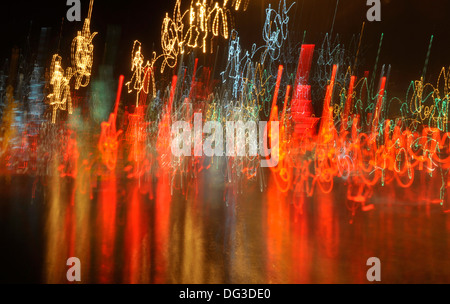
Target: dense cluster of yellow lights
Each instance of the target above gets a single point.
(82, 59)
(179, 35)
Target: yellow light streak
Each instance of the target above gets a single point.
(60, 97)
(179, 35)
(82, 55)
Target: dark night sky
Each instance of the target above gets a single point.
(407, 25)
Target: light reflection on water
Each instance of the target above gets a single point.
(128, 233)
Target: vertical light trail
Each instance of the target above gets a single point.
(275, 94)
(107, 223)
(359, 48)
(304, 68)
(377, 114)
(376, 62)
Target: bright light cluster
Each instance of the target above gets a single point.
(60, 98)
(82, 60)
(195, 28)
(364, 135)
